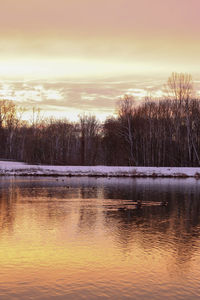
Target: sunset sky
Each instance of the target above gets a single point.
(74, 56)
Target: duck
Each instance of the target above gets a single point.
(139, 204)
(122, 208)
(164, 203)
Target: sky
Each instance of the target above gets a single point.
(75, 56)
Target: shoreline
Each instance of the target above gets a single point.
(8, 168)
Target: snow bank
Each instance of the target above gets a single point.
(22, 169)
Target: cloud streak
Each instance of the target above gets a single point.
(81, 55)
(98, 97)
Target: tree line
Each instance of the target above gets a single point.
(164, 132)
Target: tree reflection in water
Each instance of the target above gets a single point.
(98, 220)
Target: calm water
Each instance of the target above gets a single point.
(88, 238)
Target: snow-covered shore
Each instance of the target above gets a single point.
(9, 168)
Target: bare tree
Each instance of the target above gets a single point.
(89, 129)
(125, 112)
(179, 86)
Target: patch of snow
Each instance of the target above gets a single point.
(18, 168)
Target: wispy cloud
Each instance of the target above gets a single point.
(99, 97)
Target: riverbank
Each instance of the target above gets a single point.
(8, 168)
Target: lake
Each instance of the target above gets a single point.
(99, 238)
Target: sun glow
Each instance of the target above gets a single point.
(75, 46)
(36, 68)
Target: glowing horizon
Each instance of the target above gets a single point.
(91, 41)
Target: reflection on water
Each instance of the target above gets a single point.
(97, 238)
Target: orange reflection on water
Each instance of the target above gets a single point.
(74, 247)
